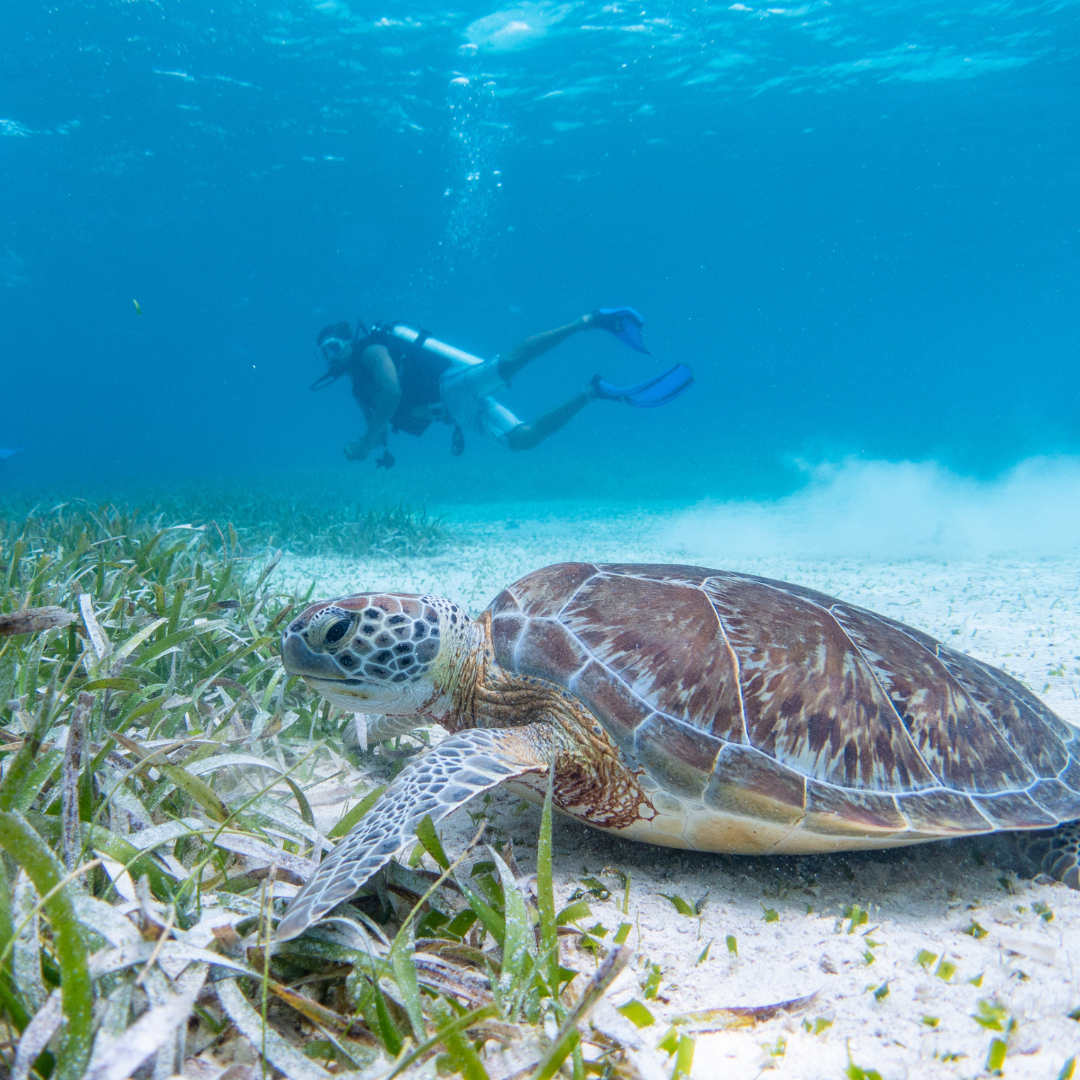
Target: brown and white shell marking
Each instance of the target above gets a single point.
(692, 708)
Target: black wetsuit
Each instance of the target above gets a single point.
(418, 372)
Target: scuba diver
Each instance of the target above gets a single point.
(405, 380)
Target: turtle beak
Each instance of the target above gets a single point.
(298, 659)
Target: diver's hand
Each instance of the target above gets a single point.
(357, 450)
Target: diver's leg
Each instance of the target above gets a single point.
(1054, 851)
(526, 436)
(510, 363)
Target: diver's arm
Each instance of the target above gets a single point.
(510, 363)
(387, 394)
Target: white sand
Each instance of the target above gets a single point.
(1022, 615)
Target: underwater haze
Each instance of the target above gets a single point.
(859, 224)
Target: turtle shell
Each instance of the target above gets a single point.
(746, 696)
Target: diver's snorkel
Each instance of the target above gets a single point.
(332, 376)
(326, 380)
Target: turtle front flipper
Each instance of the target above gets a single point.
(439, 782)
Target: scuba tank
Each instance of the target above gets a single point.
(420, 339)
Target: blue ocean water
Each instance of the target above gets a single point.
(859, 223)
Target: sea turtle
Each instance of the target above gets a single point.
(688, 707)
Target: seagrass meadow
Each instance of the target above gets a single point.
(156, 811)
(166, 788)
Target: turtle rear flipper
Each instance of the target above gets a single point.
(1054, 851)
(440, 782)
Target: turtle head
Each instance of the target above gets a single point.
(390, 653)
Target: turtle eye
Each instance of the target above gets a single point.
(336, 631)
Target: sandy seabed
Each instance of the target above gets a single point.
(1022, 615)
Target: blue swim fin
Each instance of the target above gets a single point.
(625, 323)
(658, 390)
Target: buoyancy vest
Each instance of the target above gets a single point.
(420, 361)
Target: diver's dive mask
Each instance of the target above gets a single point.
(334, 352)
